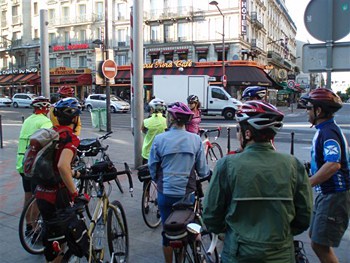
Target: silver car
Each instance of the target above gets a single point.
(22, 99)
(96, 101)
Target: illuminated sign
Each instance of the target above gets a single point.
(171, 64)
(70, 47)
(68, 71)
(244, 12)
(18, 71)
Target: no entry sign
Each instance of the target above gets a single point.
(109, 69)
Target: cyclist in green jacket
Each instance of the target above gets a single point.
(33, 123)
(259, 198)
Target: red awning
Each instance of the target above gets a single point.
(18, 79)
(7, 79)
(219, 49)
(182, 51)
(153, 53)
(168, 51)
(83, 79)
(202, 50)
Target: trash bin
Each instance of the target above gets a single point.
(99, 118)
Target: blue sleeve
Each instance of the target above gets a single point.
(153, 159)
(331, 151)
(201, 163)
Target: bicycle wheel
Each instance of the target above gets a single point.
(202, 248)
(149, 205)
(117, 233)
(30, 228)
(214, 154)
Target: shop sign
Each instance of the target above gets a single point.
(171, 64)
(244, 12)
(68, 71)
(70, 47)
(18, 71)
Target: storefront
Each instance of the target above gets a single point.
(240, 74)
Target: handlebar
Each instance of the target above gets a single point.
(107, 135)
(206, 131)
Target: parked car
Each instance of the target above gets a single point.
(22, 99)
(5, 101)
(96, 101)
(54, 97)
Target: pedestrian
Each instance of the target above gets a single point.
(259, 198)
(34, 122)
(175, 158)
(254, 93)
(65, 92)
(54, 197)
(329, 174)
(194, 104)
(153, 125)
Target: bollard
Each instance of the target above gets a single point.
(228, 139)
(1, 140)
(22, 118)
(100, 119)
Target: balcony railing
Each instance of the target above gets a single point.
(256, 20)
(168, 13)
(257, 44)
(74, 20)
(274, 57)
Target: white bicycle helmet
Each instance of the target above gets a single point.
(158, 105)
(41, 103)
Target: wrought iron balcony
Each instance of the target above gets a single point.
(256, 20)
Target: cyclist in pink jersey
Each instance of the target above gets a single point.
(194, 105)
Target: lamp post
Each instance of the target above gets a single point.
(223, 43)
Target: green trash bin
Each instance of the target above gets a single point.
(99, 118)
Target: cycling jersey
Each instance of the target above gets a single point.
(173, 157)
(260, 198)
(329, 145)
(33, 123)
(193, 125)
(155, 124)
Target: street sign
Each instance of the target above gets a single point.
(316, 22)
(315, 57)
(291, 84)
(224, 81)
(109, 69)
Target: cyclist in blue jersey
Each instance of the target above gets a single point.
(175, 156)
(330, 174)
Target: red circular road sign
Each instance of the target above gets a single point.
(109, 69)
(291, 84)
(224, 80)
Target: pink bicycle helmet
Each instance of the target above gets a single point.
(260, 115)
(41, 103)
(66, 91)
(180, 112)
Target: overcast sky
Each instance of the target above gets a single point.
(296, 9)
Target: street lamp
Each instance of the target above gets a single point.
(281, 39)
(223, 43)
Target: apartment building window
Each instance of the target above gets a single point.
(35, 8)
(155, 33)
(82, 62)
(121, 11)
(66, 62)
(169, 33)
(52, 38)
(36, 33)
(53, 62)
(121, 59)
(99, 10)
(182, 32)
(22, 61)
(66, 37)
(82, 13)
(3, 19)
(82, 35)
(202, 30)
(51, 15)
(65, 13)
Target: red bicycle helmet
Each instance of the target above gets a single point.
(66, 91)
(260, 115)
(180, 112)
(324, 98)
(41, 103)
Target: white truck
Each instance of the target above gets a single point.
(214, 100)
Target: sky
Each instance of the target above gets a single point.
(296, 9)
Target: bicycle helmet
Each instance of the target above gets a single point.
(180, 112)
(66, 91)
(254, 92)
(260, 115)
(41, 103)
(192, 98)
(324, 98)
(68, 108)
(158, 105)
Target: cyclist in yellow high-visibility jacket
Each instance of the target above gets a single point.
(65, 92)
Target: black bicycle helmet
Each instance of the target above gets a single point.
(324, 98)
(192, 98)
(254, 92)
(260, 115)
(68, 108)
(180, 112)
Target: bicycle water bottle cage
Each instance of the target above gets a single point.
(90, 147)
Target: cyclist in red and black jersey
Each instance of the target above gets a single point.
(51, 197)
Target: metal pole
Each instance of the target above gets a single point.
(223, 50)
(1, 139)
(138, 79)
(108, 85)
(44, 54)
(329, 44)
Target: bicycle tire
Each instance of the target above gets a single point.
(213, 154)
(117, 233)
(32, 240)
(149, 205)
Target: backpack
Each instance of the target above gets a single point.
(38, 162)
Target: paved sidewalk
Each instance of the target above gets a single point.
(145, 244)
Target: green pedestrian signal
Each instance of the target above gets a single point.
(345, 7)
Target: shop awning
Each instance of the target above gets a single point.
(83, 79)
(249, 76)
(18, 79)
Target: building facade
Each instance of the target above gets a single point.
(173, 30)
